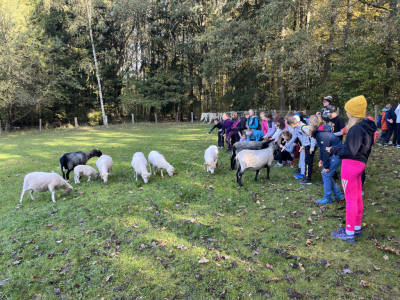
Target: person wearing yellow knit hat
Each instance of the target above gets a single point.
(354, 154)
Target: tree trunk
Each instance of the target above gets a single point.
(331, 34)
(281, 89)
(89, 13)
(8, 120)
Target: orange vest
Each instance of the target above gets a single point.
(384, 125)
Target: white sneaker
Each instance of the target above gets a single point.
(278, 165)
(390, 143)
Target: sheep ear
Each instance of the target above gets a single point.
(204, 166)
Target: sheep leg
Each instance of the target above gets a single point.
(258, 171)
(240, 178)
(155, 170)
(162, 176)
(69, 171)
(237, 173)
(150, 168)
(76, 178)
(22, 195)
(233, 161)
(31, 193)
(88, 179)
(268, 172)
(135, 175)
(52, 196)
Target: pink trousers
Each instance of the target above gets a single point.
(351, 182)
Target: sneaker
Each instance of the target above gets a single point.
(398, 147)
(320, 183)
(289, 162)
(357, 233)
(379, 144)
(338, 197)
(278, 165)
(390, 143)
(297, 171)
(305, 180)
(325, 200)
(299, 176)
(385, 145)
(394, 145)
(344, 237)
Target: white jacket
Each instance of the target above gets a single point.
(397, 111)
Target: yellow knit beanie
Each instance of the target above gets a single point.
(356, 107)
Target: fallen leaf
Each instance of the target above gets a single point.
(376, 268)
(365, 283)
(203, 260)
(385, 257)
(270, 267)
(80, 192)
(15, 262)
(108, 277)
(325, 263)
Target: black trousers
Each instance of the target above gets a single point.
(309, 160)
(283, 156)
(392, 129)
(220, 139)
(398, 133)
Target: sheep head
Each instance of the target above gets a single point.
(145, 177)
(97, 152)
(171, 171)
(96, 176)
(104, 176)
(212, 166)
(68, 189)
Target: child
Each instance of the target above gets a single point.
(226, 128)
(268, 126)
(354, 154)
(252, 122)
(241, 126)
(243, 138)
(307, 145)
(217, 124)
(330, 163)
(254, 135)
(279, 128)
(287, 154)
(382, 124)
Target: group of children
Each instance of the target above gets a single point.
(325, 130)
(389, 122)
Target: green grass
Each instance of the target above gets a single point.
(128, 239)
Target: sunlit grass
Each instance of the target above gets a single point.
(128, 239)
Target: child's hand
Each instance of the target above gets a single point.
(311, 151)
(264, 137)
(328, 149)
(207, 133)
(220, 130)
(320, 164)
(283, 148)
(301, 149)
(326, 171)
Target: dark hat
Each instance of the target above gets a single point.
(328, 98)
(329, 110)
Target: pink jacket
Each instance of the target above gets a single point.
(264, 127)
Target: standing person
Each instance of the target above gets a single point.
(325, 138)
(337, 122)
(230, 136)
(226, 128)
(391, 117)
(252, 121)
(241, 125)
(326, 102)
(268, 125)
(307, 144)
(217, 124)
(354, 154)
(397, 111)
(382, 123)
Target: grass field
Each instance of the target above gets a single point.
(191, 236)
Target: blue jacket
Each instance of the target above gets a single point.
(257, 136)
(325, 138)
(380, 118)
(252, 123)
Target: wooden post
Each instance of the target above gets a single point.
(274, 111)
(105, 120)
(40, 125)
(0, 127)
(76, 123)
(338, 110)
(191, 114)
(376, 113)
(133, 119)
(155, 115)
(177, 116)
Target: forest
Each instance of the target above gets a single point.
(61, 59)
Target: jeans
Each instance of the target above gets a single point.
(392, 129)
(382, 137)
(329, 184)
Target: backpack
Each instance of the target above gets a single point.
(302, 128)
(376, 134)
(296, 153)
(234, 125)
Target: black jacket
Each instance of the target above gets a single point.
(358, 143)
(390, 114)
(325, 138)
(219, 126)
(242, 124)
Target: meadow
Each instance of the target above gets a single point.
(190, 236)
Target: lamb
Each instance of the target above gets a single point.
(157, 161)
(83, 170)
(139, 164)
(104, 164)
(42, 182)
(68, 161)
(211, 158)
(239, 146)
(254, 160)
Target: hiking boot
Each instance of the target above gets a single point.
(338, 197)
(299, 176)
(305, 180)
(297, 171)
(357, 233)
(325, 200)
(320, 183)
(344, 237)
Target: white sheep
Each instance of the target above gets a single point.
(42, 182)
(211, 158)
(139, 164)
(84, 170)
(104, 164)
(254, 160)
(157, 161)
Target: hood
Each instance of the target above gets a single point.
(368, 125)
(385, 109)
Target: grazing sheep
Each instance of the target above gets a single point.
(68, 161)
(239, 146)
(104, 164)
(42, 182)
(157, 161)
(254, 160)
(84, 170)
(139, 164)
(211, 158)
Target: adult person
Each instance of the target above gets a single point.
(230, 136)
(252, 121)
(226, 128)
(397, 111)
(325, 102)
(354, 154)
(391, 121)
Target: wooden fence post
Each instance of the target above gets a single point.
(155, 115)
(274, 111)
(177, 116)
(376, 113)
(133, 119)
(338, 110)
(0, 127)
(191, 114)
(40, 125)
(76, 123)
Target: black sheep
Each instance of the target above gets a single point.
(252, 145)
(68, 161)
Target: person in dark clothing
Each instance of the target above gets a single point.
(241, 126)
(391, 122)
(226, 128)
(325, 102)
(217, 124)
(336, 121)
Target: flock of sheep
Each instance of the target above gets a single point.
(248, 156)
